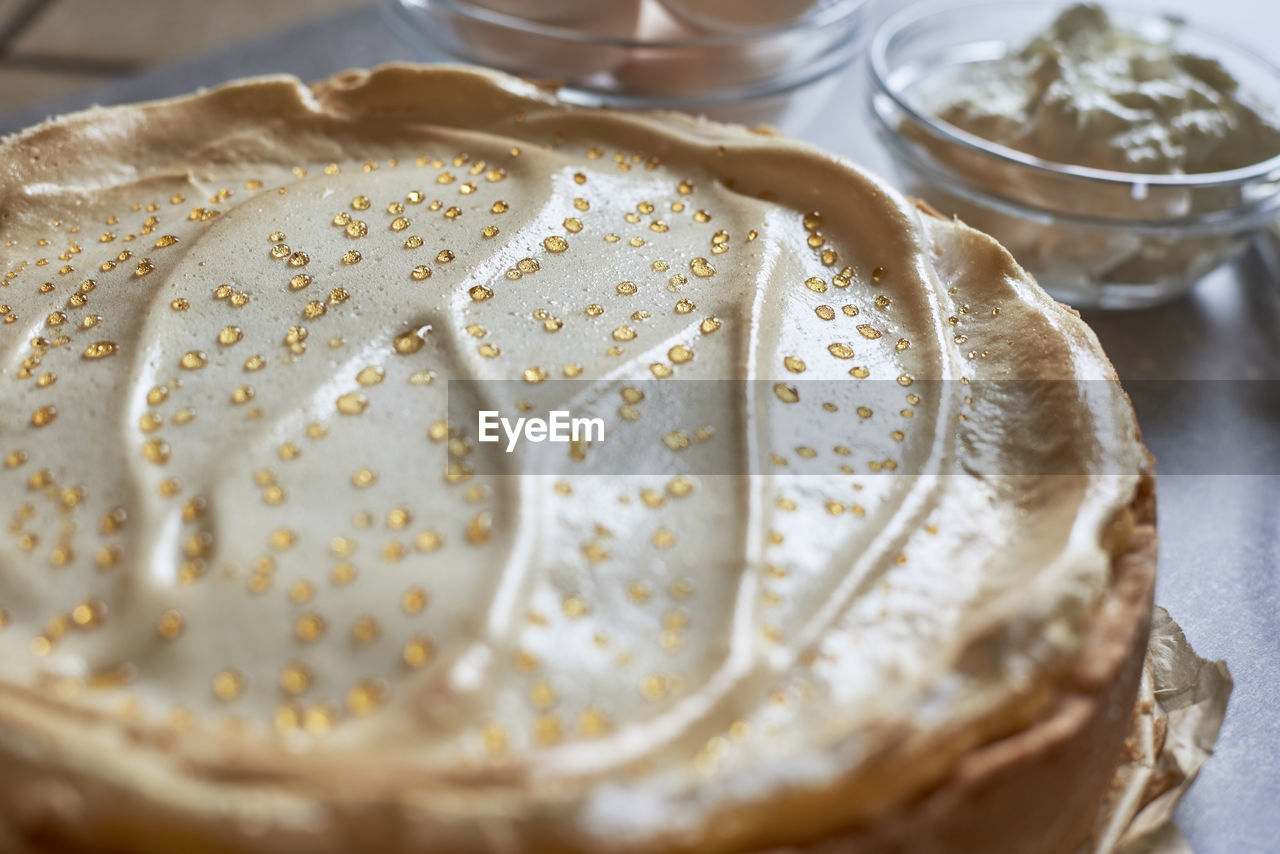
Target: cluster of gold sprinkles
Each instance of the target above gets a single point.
(341, 636)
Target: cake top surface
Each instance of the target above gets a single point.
(849, 504)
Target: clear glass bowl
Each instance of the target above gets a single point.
(749, 76)
(1092, 237)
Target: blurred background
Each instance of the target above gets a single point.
(53, 47)
(1220, 532)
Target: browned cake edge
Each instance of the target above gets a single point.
(1040, 790)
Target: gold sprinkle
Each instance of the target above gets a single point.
(309, 627)
(319, 719)
(417, 652)
(479, 528)
(653, 687)
(44, 416)
(229, 335)
(414, 600)
(370, 376)
(701, 268)
(676, 440)
(840, 351)
(156, 451)
(228, 685)
(295, 678)
(170, 624)
(351, 257)
(193, 360)
(99, 350)
(352, 403)
(365, 630)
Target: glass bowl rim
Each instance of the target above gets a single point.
(917, 12)
(835, 13)
(1225, 221)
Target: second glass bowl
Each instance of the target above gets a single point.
(1093, 238)
(747, 76)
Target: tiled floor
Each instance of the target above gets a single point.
(52, 46)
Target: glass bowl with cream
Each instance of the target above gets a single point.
(745, 61)
(1119, 156)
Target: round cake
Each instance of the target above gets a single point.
(861, 561)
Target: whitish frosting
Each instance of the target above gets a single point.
(1094, 93)
(238, 588)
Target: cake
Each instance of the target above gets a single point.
(260, 591)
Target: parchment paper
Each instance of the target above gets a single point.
(1181, 703)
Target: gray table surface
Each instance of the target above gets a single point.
(1219, 523)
